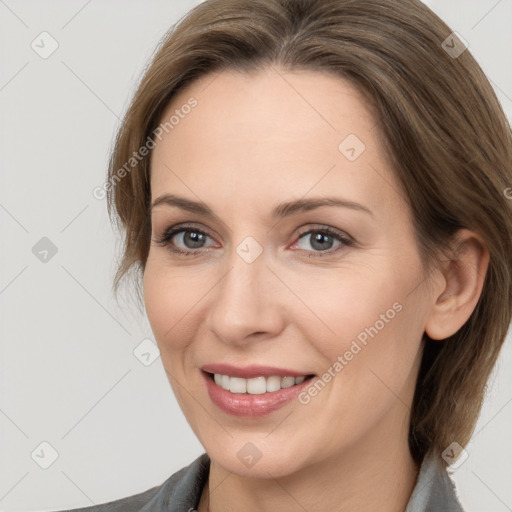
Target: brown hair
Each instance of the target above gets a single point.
(448, 138)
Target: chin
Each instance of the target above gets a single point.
(257, 459)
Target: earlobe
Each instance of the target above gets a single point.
(464, 276)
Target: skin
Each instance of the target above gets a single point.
(252, 142)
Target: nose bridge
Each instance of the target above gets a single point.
(243, 303)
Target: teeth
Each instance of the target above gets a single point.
(287, 382)
(273, 383)
(225, 381)
(237, 385)
(256, 385)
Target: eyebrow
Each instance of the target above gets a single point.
(280, 211)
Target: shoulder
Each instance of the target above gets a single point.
(434, 489)
(182, 489)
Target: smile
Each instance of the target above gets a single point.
(256, 400)
(257, 385)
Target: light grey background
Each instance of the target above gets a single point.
(68, 374)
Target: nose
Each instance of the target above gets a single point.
(246, 303)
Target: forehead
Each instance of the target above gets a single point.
(263, 102)
(270, 132)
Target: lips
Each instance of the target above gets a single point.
(256, 401)
(251, 405)
(249, 372)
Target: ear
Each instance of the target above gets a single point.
(464, 275)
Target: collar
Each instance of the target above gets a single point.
(434, 489)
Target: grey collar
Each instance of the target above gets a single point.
(434, 489)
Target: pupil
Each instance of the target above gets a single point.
(320, 239)
(194, 238)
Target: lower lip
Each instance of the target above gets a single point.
(244, 404)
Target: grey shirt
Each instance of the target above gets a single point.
(434, 491)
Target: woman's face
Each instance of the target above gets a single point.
(263, 284)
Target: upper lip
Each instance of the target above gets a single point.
(248, 372)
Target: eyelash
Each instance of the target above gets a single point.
(164, 240)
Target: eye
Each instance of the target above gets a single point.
(180, 238)
(322, 240)
(188, 240)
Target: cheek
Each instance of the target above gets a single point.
(374, 324)
(169, 298)
(339, 309)
(169, 301)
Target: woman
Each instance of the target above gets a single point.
(313, 195)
